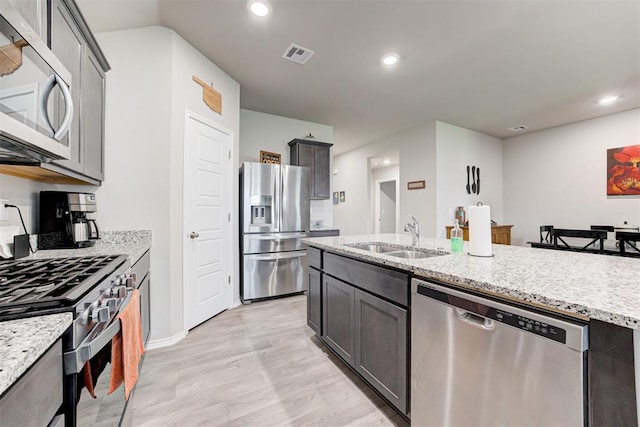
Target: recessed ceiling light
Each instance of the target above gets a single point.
(386, 162)
(390, 59)
(259, 8)
(518, 128)
(608, 100)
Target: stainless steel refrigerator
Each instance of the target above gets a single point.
(274, 206)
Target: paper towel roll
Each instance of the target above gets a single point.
(480, 231)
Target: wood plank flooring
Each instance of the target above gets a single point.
(255, 365)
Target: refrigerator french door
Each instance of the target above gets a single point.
(274, 202)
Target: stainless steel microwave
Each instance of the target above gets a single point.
(35, 99)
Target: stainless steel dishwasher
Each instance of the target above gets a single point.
(478, 362)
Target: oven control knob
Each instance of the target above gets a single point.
(122, 291)
(100, 314)
(111, 303)
(131, 280)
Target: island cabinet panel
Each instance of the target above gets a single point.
(338, 309)
(612, 387)
(314, 301)
(386, 283)
(381, 347)
(314, 258)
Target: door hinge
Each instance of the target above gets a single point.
(229, 279)
(229, 217)
(229, 154)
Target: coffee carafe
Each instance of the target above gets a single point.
(64, 222)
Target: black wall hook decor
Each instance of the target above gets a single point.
(473, 179)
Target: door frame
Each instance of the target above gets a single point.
(228, 234)
(376, 204)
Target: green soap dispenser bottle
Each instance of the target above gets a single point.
(456, 239)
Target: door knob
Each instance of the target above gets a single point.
(194, 235)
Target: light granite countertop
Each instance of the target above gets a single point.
(599, 287)
(132, 243)
(23, 341)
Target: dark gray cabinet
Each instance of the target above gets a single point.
(316, 156)
(314, 301)
(338, 315)
(381, 346)
(75, 47)
(365, 320)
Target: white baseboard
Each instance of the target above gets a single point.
(166, 342)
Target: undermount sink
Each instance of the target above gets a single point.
(375, 247)
(394, 251)
(412, 254)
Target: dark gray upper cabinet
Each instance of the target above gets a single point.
(93, 118)
(68, 45)
(72, 42)
(317, 156)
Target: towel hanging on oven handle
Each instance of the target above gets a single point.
(74, 360)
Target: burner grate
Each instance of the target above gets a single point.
(36, 281)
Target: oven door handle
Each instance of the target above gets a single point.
(74, 360)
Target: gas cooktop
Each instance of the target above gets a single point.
(52, 282)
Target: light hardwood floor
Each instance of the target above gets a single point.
(255, 365)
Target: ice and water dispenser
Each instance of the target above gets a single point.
(261, 210)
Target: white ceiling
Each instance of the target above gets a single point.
(483, 65)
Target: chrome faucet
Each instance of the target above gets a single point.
(414, 228)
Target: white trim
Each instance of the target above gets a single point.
(228, 233)
(166, 342)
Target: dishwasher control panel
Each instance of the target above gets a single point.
(534, 326)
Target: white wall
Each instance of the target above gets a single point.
(457, 148)
(558, 176)
(148, 88)
(417, 155)
(267, 132)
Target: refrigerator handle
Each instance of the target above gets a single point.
(277, 195)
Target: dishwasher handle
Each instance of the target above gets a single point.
(475, 320)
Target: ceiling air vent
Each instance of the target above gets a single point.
(518, 128)
(297, 53)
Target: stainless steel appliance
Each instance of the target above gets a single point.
(94, 289)
(475, 361)
(33, 84)
(275, 208)
(64, 222)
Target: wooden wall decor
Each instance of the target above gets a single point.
(416, 185)
(11, 57)
(210, 96)
(268, 157)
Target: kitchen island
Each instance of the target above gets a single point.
(598, 290)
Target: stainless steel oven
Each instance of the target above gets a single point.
(35, 100)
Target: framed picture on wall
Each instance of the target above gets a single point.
(623, 174)
(268, 157)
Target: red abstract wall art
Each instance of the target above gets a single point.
(623, 175)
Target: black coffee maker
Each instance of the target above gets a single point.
(64, 222)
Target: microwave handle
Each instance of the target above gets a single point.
(44, 98)
(68, 109)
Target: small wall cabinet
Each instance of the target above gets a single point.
(316, 156)
(75, 46)
(500, 234)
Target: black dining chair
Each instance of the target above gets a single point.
(545, 234)
(607, 228)
(628, 240)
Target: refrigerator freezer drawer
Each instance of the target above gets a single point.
(268, 275)
(261, 243)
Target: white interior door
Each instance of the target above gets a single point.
(207, 233)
